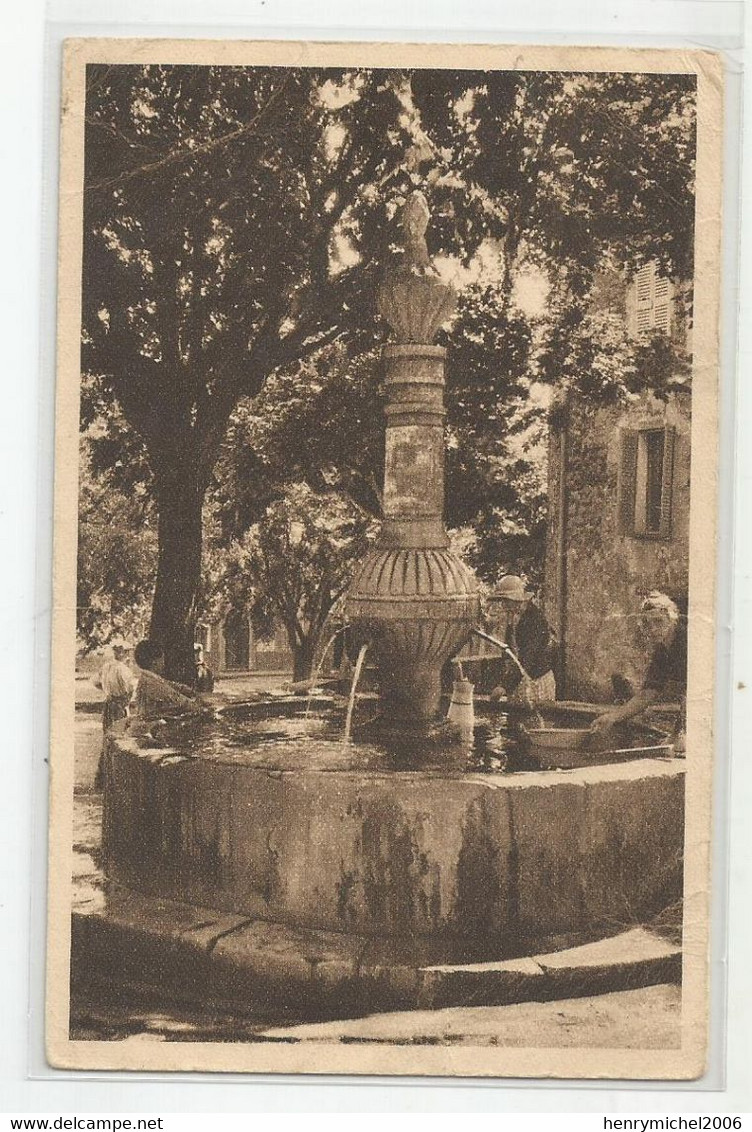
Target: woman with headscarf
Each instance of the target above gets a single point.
(664, 630)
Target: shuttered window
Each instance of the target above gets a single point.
(653, 300)
(645, 482)
(662, 304)
(667, 486)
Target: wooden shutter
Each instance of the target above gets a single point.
(653, 300)
(663, 294)
(627, 480)
(669, 443)
(644, 287)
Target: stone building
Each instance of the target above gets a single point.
(618, 513)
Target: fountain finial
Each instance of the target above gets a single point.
(414, 217)
(412, 298)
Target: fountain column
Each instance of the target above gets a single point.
(413, 597)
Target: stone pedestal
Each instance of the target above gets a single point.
(413, 598)
(414, 457)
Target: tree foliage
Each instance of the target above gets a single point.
(117, 558)
(295, 563)
(571, 166)
(320, 422)
(238, 219)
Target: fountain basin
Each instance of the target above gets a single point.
(457, 864)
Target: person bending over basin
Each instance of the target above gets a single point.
(531, 640)
(665, 632)
(155, 696)
(203, 680)
(118, 683)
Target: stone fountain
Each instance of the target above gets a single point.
(262, 864)
(414, 599)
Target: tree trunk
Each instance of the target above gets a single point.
(302, 658)
(173, 617)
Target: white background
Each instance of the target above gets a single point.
(28, 102)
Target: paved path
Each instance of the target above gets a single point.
(634, 1019)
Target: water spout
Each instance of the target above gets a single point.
(535, 715)
(501, 645)
(353, 690)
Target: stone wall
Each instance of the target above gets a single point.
(593, 599)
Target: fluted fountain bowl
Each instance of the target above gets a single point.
(416, 608)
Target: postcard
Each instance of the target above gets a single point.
(386, 448)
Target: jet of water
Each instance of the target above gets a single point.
(320, 667)
(353, 690)
(501, 645)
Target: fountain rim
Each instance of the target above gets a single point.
(657, 766)
(495, 779)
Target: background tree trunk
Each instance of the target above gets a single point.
(173, 618)
(304, 653)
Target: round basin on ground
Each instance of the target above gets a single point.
(298, 829)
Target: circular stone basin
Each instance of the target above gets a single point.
(292, 733)
(267, 813)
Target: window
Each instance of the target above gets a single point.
(653, 300)
(237, 641)
(649, 481)
(645, 481)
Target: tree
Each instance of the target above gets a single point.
(117, 557)
(571, 166)
(237, 220)
(320, 422)
(296, 563)
(495, 458)
(221, 209)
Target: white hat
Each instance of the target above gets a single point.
(511, 588)
(658, 600)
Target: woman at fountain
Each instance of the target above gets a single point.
(156, 696)
(117, 682)
(203, 680)
(664, 630)
(531, 640)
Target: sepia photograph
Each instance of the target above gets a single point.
(384, 559)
